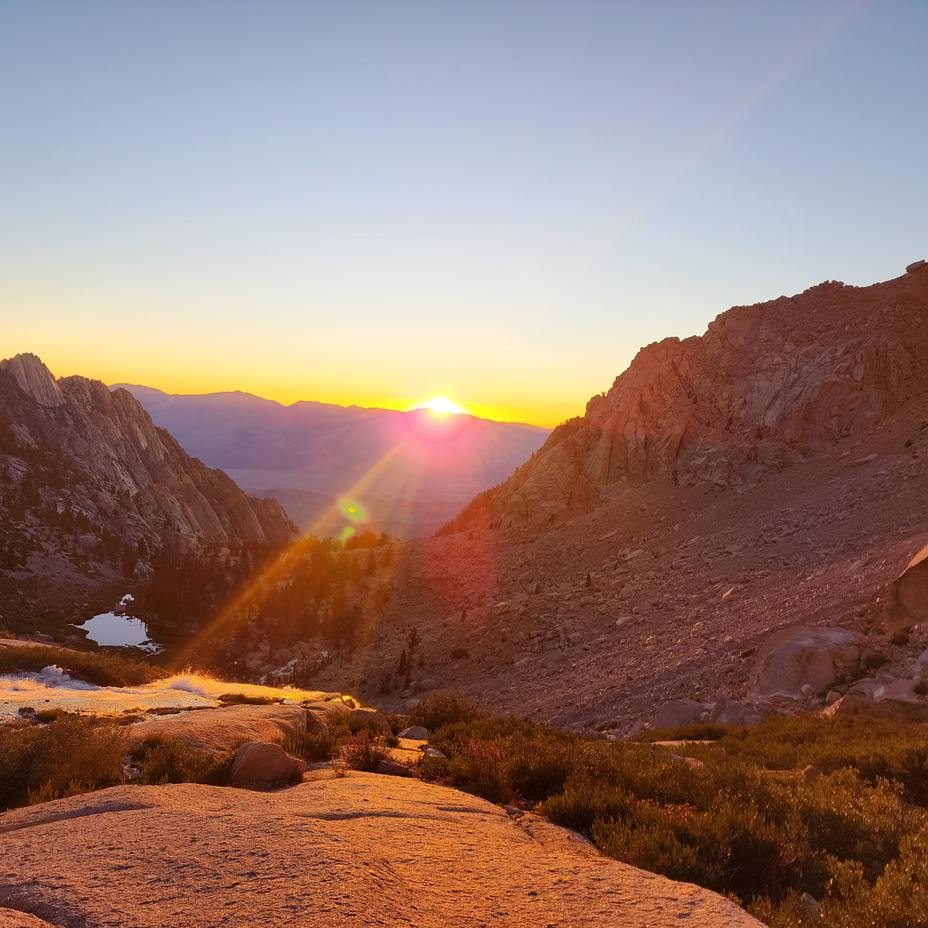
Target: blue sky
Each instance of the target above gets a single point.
(500, 202)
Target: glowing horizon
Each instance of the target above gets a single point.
(199, 379)
(442, 406)
(368, 204)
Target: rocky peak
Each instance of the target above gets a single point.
(72, 450)
(33, 378)
(766, 386)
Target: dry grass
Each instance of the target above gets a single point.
(363, 751)
(95, 667)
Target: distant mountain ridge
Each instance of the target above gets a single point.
(410, 470)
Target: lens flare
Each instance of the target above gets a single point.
(353, 510)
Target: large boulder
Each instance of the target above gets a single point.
(909, 597)
(678, 712)
(393, 768)
(731, 712)
(805, 657)
(222, 730)
(398, 850)
(262, 764)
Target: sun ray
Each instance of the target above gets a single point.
(277, 568)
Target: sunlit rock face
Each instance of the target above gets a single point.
(343, 851)
(765, 386)
(122, 470)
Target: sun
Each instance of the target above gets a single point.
(442, 406)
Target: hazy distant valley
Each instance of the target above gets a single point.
(411, 471)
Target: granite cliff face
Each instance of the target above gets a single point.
(136, 477)
(766, 386)
(90, 488)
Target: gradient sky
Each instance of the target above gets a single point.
(377, 202)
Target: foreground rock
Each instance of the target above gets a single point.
(261, 764)
(805, 657)
(356, 850)
(224, 729)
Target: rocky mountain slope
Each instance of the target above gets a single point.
(768, 475)
(410, 470)
(337, 851)
(91, 487)
(766, 387)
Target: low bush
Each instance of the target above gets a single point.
(95, 667)
(876, 748)
(371, 722)
(738, 816)
(167, 760)
(364, 752)
(312, 746)
(69, 755)
(442, 709)
(397, 722)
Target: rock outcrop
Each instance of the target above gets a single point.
(261, 764)
(90, 490)
(224, 729)
(910, 592)
(358, 849)
(130, 475)
(765, 386)
(805, 657)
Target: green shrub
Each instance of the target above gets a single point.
(442, 709)
(539, 767)
(371, 722)
(480, 767)
(364, 752)
(167, 760)
(397, 722)
(69, 755)
(312, 746)
(742, 821)
(586, 801)
(650, 846)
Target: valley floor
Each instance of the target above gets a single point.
(661, 593)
